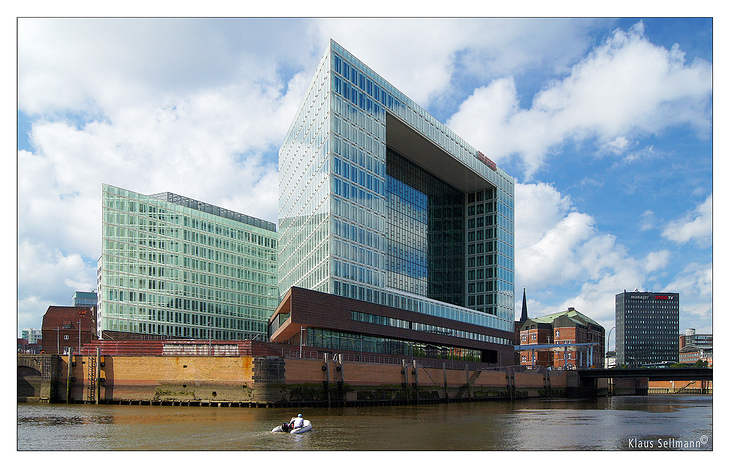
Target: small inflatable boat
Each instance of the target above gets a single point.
(306, 427)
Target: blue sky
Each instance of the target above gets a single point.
(606, 124)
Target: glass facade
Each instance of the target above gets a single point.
(365, 216)
(84, 299)
(333, 339)
(173, 266)
(425, 230)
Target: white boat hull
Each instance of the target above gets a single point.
(306, 427)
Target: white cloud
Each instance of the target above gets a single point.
(49, 273)
(696, 226)
(694, 285)
(648, 220)
(440, 50)
(626, 86)
(657, 260)
(617, 146)
(99, 65)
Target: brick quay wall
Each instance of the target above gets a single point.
(279, 381)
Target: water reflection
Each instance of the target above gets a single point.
(558, 424)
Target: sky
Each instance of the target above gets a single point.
(605, 123)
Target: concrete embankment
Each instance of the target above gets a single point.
(277, 381)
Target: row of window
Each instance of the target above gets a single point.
(331, 339)
(484, 316)
(141, 210)
(258, 330)
(423, 327)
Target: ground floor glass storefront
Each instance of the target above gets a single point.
(330, 339)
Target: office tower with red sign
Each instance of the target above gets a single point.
(647, 328)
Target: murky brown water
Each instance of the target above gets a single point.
(619, 423)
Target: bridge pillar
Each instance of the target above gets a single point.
(591, 361)
(49, 368)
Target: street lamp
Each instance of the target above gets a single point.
(301, 329)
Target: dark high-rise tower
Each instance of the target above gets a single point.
(647, 327)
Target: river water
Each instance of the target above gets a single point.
(636, 423)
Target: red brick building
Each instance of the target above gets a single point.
(536, 333)
(562, 328)
(65, 327)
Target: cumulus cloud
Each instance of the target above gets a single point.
(695, 226)
(101, 64)
(626, 86)
(657, 260)
(457, 50)
(555, 243)
(48, 271)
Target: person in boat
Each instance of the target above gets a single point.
(297, 422)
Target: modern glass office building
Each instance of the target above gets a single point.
(647, 328)
(382, 203)
(174, 266)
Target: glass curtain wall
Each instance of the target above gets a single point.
(167, 269)
(425, 245)
(335, 205)
(305, 191)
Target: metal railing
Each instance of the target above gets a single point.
(392, 360)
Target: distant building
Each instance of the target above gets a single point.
(691, 338)
(647, 327)
(563, 328)
(29, 348)
(66, 328)
(31, 335)
(691, 354)
(694, 347)
(176, 267)
(84, 299)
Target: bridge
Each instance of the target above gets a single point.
(652, 373)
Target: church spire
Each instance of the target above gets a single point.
(524, 310)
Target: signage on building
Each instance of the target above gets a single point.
(486, 160)
(665, 297)
(639, 297)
